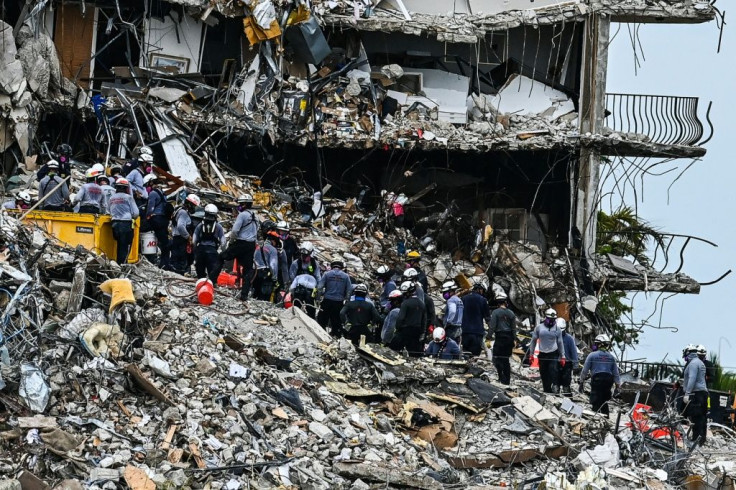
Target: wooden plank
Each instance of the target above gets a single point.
(137, 479)
(147, 385)
(194, 449)
(124, 409)
(456, 400)
(169, 437)
(37, 422)
(175, 455)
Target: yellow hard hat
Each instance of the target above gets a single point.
(413, 254)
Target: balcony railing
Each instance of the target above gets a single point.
(663, 119)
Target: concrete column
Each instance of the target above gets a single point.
(592, 109)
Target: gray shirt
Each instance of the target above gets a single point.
(306, 280)
(107, 192)
(245, 226)
(59, 196)
(123, 207)
(550, 339)
(269, 256)
(503, 320)
(214, 239)
(694, 375)
(336, 285)
(389, 326)
(90, 195)
(181, 221)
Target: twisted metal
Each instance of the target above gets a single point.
(663, 119)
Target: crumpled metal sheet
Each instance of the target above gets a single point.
(33, 387)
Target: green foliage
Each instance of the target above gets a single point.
(722, 380)
(622, 233)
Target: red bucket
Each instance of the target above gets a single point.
(227, 280)
(205, 291)
(288, 303)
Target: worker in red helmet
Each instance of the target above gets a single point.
(442, 347)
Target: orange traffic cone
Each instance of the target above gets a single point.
(535, 358)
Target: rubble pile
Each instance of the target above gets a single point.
(230, 396)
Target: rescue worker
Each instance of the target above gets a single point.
(123, 213)
(431, 313)
(306, 263)
(389, 323)
(135, 177)
(551, 349)
(603, 374)
(453, 318)
(695, 398)
(241, 246)
(116, 172)
(158, 219)
(334, 287)
(385, 279)
(358, 315)
(412, 262)
(443, 347)
(475, 311)
(412, 275)
(289, 242)
(410, 322)
(21, 201)
(710, 369)
(180, 236)
(207, 239)
(270, 261)
(63, 159)
(571, 354)
(303, 292)
(502, 328)
(57, 199)
(89, 197)
(107, 191)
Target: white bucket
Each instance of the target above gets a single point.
(149, 244)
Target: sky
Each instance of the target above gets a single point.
(682, 60)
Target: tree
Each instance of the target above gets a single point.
(622, 233)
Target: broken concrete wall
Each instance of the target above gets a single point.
(173, 42)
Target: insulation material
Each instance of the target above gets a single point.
(181, 164)
(523, 96)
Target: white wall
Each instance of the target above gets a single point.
(161, 38)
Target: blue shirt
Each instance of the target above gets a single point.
(549, 338)
(454, 311)
(694, 375)
(475, 310)
(214, 239)
(571, 349)
(156, 204)
(182, 220)
(245, 226)
(383, 300)
(389, 326)
(447, 350)
(135, 177)
(90, 195)
(600, 361)
(59, 196)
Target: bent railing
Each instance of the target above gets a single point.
(663, 119)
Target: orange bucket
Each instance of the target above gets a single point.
(288, 303)
(227, 280)
(205, 291)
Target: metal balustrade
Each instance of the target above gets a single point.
(663, 119)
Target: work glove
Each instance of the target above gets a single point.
(563, 362)
(314, 293)
(686, 399)
(488, 343)
(347, 327)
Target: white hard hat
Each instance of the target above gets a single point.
(383, 270)
(561, 324)
(210, 209)
(146, 158)
(407, 287)
(603, 339)
(24, 196)
(307, 247)
(410, 274)
(144, 150)
(550, 313)
(394, 294)
(439, 334)
(701, 350)
(690, 348)
(91, 173)
(52, 164)
(194, 199)
(148, 178)
(282, 225)
(98, 167)
(245, 198)
(449, 286)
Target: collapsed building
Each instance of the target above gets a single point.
(491, 117)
